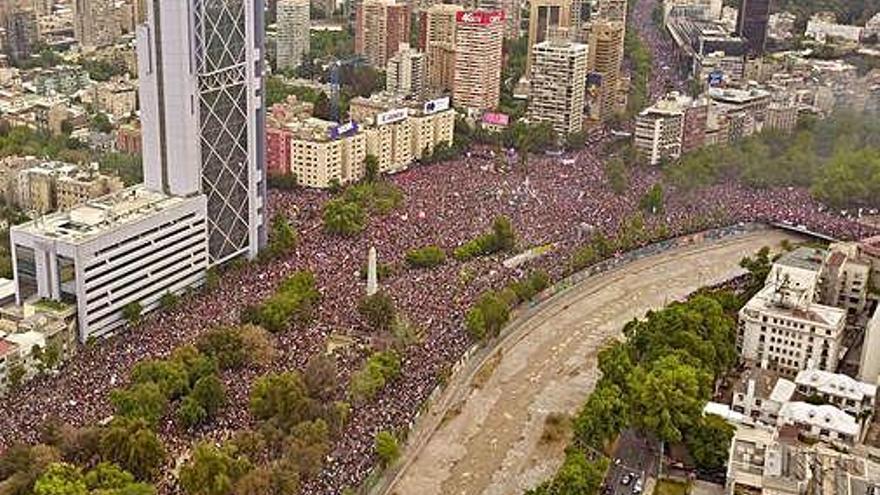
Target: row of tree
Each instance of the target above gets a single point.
(838, 158)
(501, 238)
(347, 214)
(492, 309)
(294, 300)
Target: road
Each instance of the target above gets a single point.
(484, 435)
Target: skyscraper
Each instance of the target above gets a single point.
(512, 14)
(612, 10)
(95, 23)
(438, 43)
(546, 17)
(380, 27)
(605, 43)
(751, 24)
(479, 38)
(556, 92)
(293, 33)
(200, 65)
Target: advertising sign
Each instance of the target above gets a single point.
(480, 17)
(391, 116)
(343, 130)
(438, 105)
(716, 78)
(594, 82)
(496, 118)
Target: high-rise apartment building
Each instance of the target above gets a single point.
(612, 10)
(671, 127)
(380, 27)
(292, 42)
(556, 92)
(438, 27)
(22, 34)
(95, 23)
(200, 71)
(605, 44)
(405, 73)
(545, 19)
(751, 24)
(479, 39)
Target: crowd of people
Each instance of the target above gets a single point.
(663, 51)
(548, 200)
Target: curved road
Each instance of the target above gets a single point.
(483, 435)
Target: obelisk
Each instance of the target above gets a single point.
(372, 276)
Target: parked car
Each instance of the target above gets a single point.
(626, 479)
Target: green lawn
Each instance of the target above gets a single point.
(670, 487)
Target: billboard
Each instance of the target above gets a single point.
(479, 17)
(343, 130)
(438, 105)
(594, 82)
(391, 116)
(716, 78)
(493, 118)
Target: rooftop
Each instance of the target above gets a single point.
(767, 300)
(100, 215)
(823, 416)
(804, 258)
(836, 384)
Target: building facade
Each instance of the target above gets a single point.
(439, 43)
(546, 18)
(95, 23)
(479, 40)
(751, 24)
(605, 44)
(293, 41)
(22, 34)
(406, 73)
(558, 81)
(203, 121)
(380, 27)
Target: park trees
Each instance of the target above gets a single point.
(131, 444)
(709, 441)
(213, 470)
(379, 311)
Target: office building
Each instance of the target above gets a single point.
(743, 110)
(792, 323)
(479, 39)
(406, 73)
(202, 115)
(380, 27)
(611, 10)
(605, 44)
(438, 28)
(546, 17)
(52, 186)
(751, 24)
(130, 247)
(557, 85)
(95, 23)
(671, 127)
(512, 14)
(292, 40)
(22, 34)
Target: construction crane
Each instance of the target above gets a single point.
(335, 84)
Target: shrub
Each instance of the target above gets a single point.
(426, 257)
(387, 448)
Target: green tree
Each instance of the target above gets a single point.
(283, 399)
(282, 238)
(577, 476)
(15, 375)
(387, 448)
(379, 311)
(307, 445)
(140, 401)
(709, 442)
(617, 175)
(602, 418)
(668, 397)
(133, 446)
(343, 218)
(371, 168)
(210, 393)
(132, 312)
(652, 200)
(191, 413)
(170, 376)
(61, 479)
(213, 470)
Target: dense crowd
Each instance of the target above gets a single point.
(664, 53)
(446, 204)
(548, 201)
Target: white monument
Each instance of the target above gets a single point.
(372, 276)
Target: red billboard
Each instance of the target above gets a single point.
(480, 17)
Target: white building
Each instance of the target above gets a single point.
(558, 82)
(850, 395)
(821, 30)
(130, 247)
(783, 328)
(203, 117)
(823, 422)
(293, 42)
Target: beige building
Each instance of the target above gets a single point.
(546, 18)
(479, 39)
(672, 126)
(323, 153)
(406, 73)
(52, 186)
(558, 80)
(380, 27)
(605, 42)
(293, 40)
(438, 30)
(117, 97)
(95, 23)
